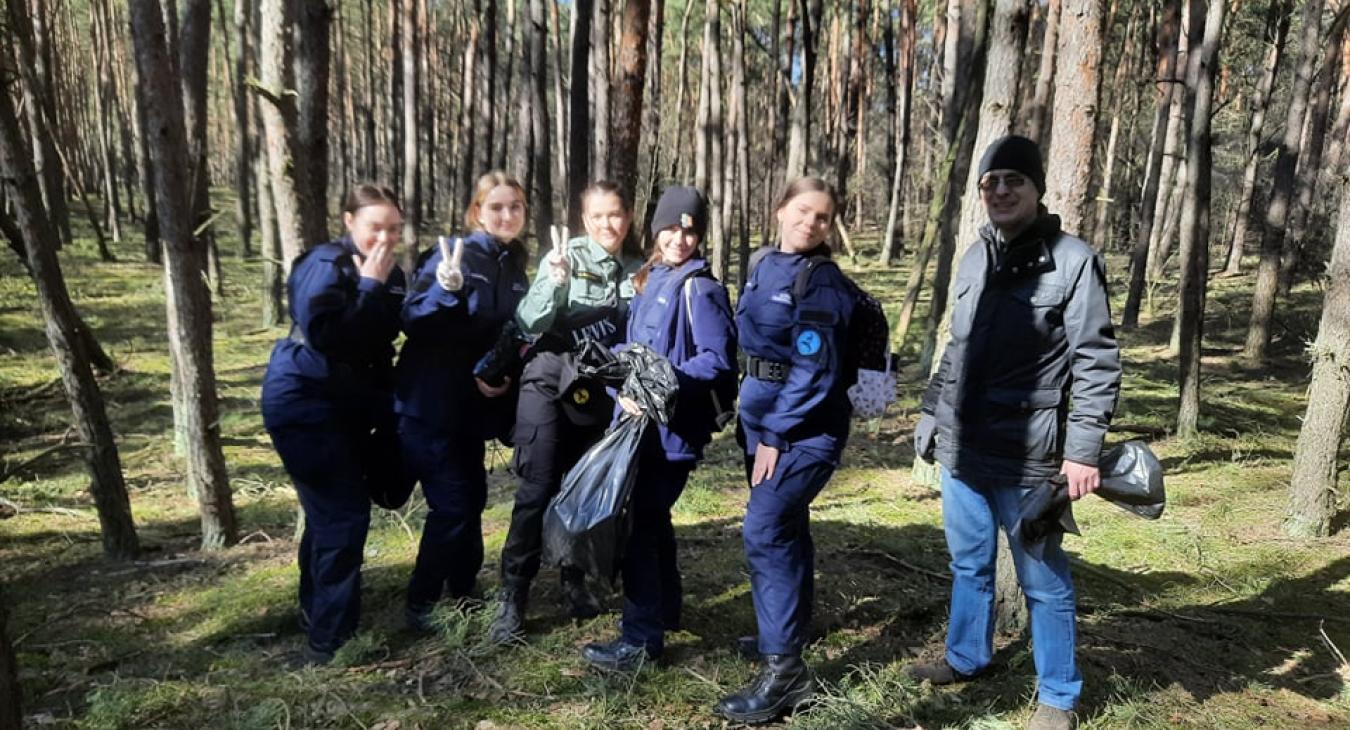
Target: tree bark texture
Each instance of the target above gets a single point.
(194, 45)
(1068, 180)
(1195, 213)
(1045, 75)
(410, 193)
(190, 323)
(1278, 16)
(536, 50)
(902, 80)
(243, 161)
(1312, 486)
(1169, 30)
(627, 107)
(1282, 191)
(68, 344)
(600, 90)
(579, 112)
(311, 64)
(278, 105)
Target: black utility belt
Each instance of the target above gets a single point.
(770, 370)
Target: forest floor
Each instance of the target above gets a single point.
(1207, 618)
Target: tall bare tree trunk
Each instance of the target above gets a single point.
(579, 119)
(284, 154)
(741, 112)
(1169, 30)
(715, 131)
(487, 84)
(1278, 16)
(1195, 209)
(311, 61)
(535, 42)
(411, 193)
(68, 343)
(1120, 88)
(799, 137)
(627, 112)
(42, 114)
(190, 322)
(193, 52)
(1068, 182)
(1045, 75)
(1312, 486)
(1277, 214)
(900, 77)
(1310, 161)
(243, 154)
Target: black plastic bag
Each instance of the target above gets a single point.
(1132, 479)
(587, 522)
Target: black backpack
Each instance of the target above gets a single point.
(868, 331)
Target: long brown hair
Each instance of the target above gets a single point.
(631, 246)
(811, 185)
(487, 182)
(366, 194)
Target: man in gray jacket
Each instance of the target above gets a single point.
(1025, 391)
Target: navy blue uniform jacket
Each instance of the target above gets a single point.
(810, 409)
(337, 363)
(449, 331)
(692, 326)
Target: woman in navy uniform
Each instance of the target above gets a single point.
(794, 416)
(682, 313)
(461, 298)
(327, 403)
(581, 292)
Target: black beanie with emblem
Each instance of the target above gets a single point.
(683, 206)
(1018, 154)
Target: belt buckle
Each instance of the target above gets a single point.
(777, 371)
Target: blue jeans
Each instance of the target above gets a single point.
(968, 516)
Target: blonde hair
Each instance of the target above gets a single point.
(488, 182)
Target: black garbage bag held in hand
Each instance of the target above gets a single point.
(588, 521)
(1132, 479)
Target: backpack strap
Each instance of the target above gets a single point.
(804, 275)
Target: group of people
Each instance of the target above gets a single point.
(356, 425)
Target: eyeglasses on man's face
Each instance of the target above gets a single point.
(1011, 180)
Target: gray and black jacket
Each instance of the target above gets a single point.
(1032, 373)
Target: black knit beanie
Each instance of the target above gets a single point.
(681, 206)
(1018, 154)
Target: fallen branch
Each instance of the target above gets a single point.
(1139, 428)
(10, 471)
(10, 509)
(33, 393)
(152, 564)
(906, 564)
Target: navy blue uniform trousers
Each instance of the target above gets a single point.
(325, 463)
(653, 595)
(779, 549)
(454, 481)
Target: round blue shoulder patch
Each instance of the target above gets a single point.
(808, 342)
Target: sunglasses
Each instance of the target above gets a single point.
(1011, 180)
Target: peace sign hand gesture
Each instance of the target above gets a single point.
(448, 273)
(559, 269)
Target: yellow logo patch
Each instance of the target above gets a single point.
(581, 396)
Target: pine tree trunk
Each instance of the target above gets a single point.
(278, 108)
(487, 85)
(536, 50)
(799, 135)
(274, 286)
(1282, 191)
(902, 79)
(1278, 16)
(68, 344)
(740, 110)
(1120, 87)
(1310, 162)
(1312, 486)
(715, 132)
(243, 151)
(42, 106)
(412, 202)
(153, 248)
(579, 119)
(195, 44)
(1068, 182)
(508, 79)
(190, 323)
(311, 68)
(560, 95)
(1169, 30)
(1045, 75)
(627, 116)
(1195, 213)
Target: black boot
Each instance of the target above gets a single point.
(783, 684)
(508, 625)
(617, 656)
(581, 603)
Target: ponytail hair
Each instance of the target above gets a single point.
(366, 194)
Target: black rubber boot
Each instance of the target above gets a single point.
(581, 603)
(508, 625)
(783, 684)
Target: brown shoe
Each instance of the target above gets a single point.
(937, 672)
(1052, 718)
